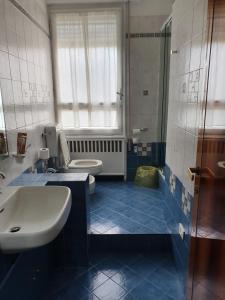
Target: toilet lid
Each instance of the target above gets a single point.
(64, 148)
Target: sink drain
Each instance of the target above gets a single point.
(15, 229)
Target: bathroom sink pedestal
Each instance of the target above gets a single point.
(72, 244)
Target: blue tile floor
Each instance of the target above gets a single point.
(119, 277)
(124, 208)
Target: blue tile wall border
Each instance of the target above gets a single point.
(179, 203)
(150, 154)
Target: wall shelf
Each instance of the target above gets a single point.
(20, 156)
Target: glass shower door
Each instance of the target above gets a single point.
(164, 86)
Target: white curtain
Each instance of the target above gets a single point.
(88, 68)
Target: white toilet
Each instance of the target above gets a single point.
(90, 166)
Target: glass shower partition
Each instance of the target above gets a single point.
(164, 86)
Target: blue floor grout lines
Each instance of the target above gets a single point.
(123, 208)
(119, 277)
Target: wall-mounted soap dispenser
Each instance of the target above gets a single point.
(21, 145)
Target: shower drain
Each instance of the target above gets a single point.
(15, 229)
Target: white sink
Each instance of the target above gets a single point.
(31, 217)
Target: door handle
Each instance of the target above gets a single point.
(192, 172)
(221, 164)
(203, 172)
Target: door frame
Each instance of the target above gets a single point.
(201, 136)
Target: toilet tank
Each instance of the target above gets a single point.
(51, 135)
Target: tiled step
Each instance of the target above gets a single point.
(151, 243)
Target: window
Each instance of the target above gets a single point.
(88, 69)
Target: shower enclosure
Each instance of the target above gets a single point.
(123, 208)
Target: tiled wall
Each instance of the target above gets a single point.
(186, 87)
(144, 154)
(26, 84)
(146, 20)
(186, 91)
(25, 77)
(178, 201)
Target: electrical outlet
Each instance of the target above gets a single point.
(181, 231)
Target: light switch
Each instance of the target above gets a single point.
(145, 93)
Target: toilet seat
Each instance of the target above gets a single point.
(90, 166)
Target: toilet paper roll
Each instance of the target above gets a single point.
(44, 153)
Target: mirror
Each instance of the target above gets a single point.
(3, 137)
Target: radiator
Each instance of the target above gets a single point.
(111, 151)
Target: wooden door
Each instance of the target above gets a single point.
(207, 256)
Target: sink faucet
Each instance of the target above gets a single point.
(2, 177)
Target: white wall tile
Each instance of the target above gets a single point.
(10, 15)
(12, 41)
(196, 52)
(199, 13)
(23, 70)
(20, 42)
(4, 65)
(31, 72)
(3, 40)
(14, 67)
(7, 91)
(19, 18)
(17, 92)
(21, 47)
(186, 87)
(183, 58)
(8, 101)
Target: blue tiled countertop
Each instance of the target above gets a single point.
(42, 179)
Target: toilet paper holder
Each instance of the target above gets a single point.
(139, 130)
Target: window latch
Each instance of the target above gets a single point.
(120, 94)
